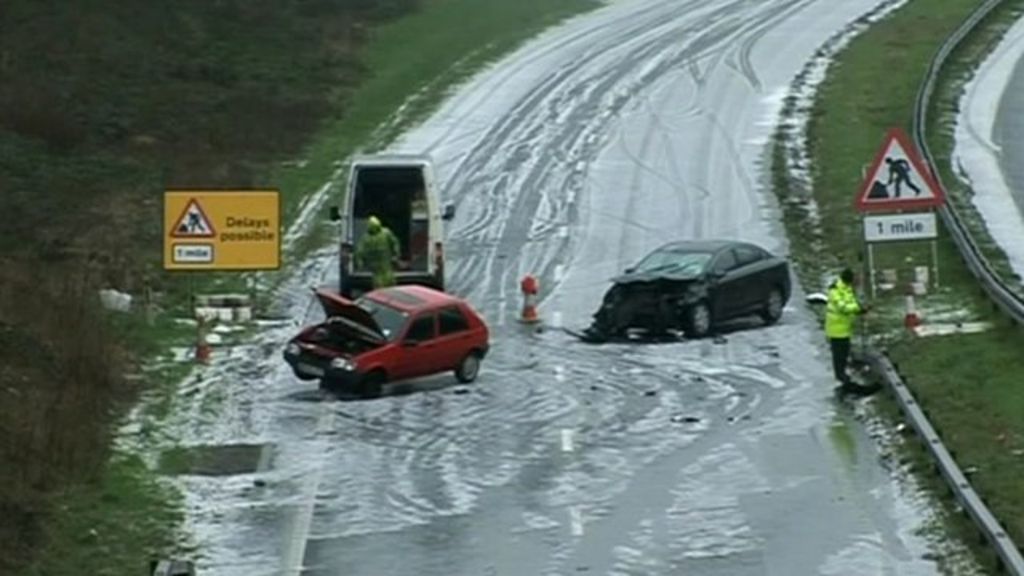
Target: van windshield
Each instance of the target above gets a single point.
(390, 320)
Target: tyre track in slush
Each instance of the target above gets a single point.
(539, 476)
(532, 103)
(523, 205)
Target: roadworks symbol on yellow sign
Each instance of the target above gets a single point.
(222, 230)
(193, 223)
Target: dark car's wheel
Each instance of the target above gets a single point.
(371, 385)
(773, 307)
(698, 320)
(469, 368)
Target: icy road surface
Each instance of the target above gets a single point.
(641, 123)
(990, 143)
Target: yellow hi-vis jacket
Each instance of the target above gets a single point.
(842, 308)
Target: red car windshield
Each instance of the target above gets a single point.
(391, 320)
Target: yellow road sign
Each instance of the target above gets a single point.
(222, 230)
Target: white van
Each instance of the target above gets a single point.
(400, 190)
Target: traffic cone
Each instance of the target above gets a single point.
(529, 287)
(202, 346)
(910, 318)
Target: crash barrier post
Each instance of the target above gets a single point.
(1008, 555)
(910, 318)
(202, 346)
(171, 568)
(530, 287)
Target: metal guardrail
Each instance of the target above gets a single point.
(1001, 294)
(1009, 557)
(971, 502)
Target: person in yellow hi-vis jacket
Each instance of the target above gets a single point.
(840, 313)
(377, 251)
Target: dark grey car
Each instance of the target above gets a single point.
(693, 286)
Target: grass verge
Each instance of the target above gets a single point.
(112, 527)
(967, 382)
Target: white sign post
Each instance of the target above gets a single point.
(898, 181)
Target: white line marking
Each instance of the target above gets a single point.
(501, 314)
(563, 231)
(559, 273)
(560, 373)
(577, 520)
(556, 320)
(296, 551)
(566, 440)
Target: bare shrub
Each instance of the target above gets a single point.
(61, 375)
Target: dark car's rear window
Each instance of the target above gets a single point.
(391, 320)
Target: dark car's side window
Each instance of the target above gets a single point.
(452, 320)
(422, 329)
(725, 261)
(747, 255)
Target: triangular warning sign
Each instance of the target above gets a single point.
(898, 179)
(193, 223)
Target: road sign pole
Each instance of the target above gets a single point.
(871, 268)
(191, 292)
(935, 261)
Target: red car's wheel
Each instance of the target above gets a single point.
(469, 368)
(372, 384)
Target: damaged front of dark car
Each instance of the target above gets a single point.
(654, 303)
(690, 287)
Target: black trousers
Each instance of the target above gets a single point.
(840, 357)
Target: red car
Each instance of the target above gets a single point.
(389, 334)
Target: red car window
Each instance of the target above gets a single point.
(422, 328)
(452, 320)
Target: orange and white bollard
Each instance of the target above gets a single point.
(202, 346)
(910, 318)
(530, 287)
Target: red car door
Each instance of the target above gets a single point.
(419, 348)
(454, 337)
